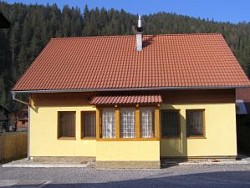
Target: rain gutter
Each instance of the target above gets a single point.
(125, 89)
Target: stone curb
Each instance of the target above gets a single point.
(40, 165)
(208, 163)
(76, 165)
(217, 163)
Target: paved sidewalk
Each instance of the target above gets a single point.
(34, 164)
(244, 158)
(241, 159)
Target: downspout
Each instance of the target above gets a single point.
(25, 103)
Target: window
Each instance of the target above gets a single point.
(88, 124)
(108, 123)
(170, 123)
(66, 124)
(147, 122)
(127, 123)
(195, 122)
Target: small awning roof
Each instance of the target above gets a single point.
(134, 99)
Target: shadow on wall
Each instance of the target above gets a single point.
(243, 133)
(212, 179)
(174, 149)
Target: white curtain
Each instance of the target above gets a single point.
(108, 123)
(147, 122)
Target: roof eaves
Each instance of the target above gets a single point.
(127, 89)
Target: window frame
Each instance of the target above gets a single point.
(117, 110)
(178, 124)
(120, 122)
(152, 109)
(83, 125)
(203, 136)
(58, 126)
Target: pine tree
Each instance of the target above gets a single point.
(32, 26)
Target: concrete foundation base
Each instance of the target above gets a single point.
(129, 164)
(198, 158)
(62, 159)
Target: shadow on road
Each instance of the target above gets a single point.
(214, 179)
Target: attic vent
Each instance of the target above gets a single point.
(139, 35)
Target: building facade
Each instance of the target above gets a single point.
(100, 98)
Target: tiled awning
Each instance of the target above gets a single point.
(134, 99)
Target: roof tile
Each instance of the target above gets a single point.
(140, 99)
(112, 62)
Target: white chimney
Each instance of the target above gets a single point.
(139, 22)
(139, 35)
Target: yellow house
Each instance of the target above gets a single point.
(129, 101)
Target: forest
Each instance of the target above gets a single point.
(32, 26)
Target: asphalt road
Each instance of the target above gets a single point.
(177, 176)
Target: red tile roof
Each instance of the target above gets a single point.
(112, 62)
(140, 99)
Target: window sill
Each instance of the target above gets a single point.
(196, 137)
(128, 139)
(88, 138)
(66, 138)
(170, 137)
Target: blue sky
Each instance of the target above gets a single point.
(220, 10)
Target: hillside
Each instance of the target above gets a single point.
(33, 26)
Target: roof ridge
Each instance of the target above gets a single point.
(178, 34)
(118, 36)
(100, 36)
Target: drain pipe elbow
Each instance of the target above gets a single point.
(25, 103)
(18, 100)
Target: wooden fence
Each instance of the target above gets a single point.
(13, 145)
